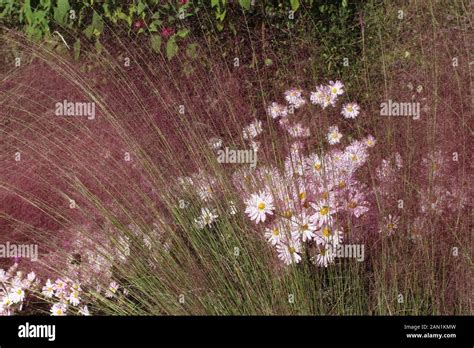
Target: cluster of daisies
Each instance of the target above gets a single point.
(67, 296)
(299, 204)
(14, 287)
(324, 96)
(302, 204)
(89, 266)
(64, 293)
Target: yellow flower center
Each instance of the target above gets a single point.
(350, 108)
(288, 214)
(334, 90)
(261, 206)
(325, 195)
(276, 232)
(291, 250)
(302, 195)
(342, 184)
(326, 232)
(317, 166)
(324, 210)
(304, 227)
(390, 226)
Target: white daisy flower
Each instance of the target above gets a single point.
(259, 205)
(48, 289)
(31, 277)
(3, 276)
(328, 235)
(17, 295)
(112, 290)
(303, 226)
(207, 217)
(59, 286)
(390, 224)
(355, 154)
(314, 164)
(84, 311)
(336, 88)
(294, 97)
(275, 234)
(289, 251)
(323, 211)
(276, 110)
(58, 309)
(323, 97)
(356, 203)
(350, 110)
(6, 301)
(298, 131)
(369, 141)
(334, 136)
(74, 298)
(325, 255)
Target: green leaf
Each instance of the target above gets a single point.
(155, 41)
(97, 22)
(61, 12)
(171, 47)
(245, 4)
(27, 11)
(295, 4)
(191, 50)
(183, 33)
(96, 27)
